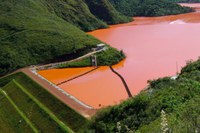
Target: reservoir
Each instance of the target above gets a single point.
(155, 47)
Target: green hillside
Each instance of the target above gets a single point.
(42, 31)
(86, 14)
(75, 12)
(179, 99)
(148, 7)
(31, 32)
(34, 109)
(105, 11)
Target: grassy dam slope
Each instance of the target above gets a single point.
(34, 109)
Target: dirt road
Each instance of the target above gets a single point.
(86, 112)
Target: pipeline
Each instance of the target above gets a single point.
(123, 81)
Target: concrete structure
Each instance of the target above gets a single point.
(100, 46)
(93, 60)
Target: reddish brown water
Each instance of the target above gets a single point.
(95, 89)
(153, 47)
(59, 75)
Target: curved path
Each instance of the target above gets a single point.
(54, 65)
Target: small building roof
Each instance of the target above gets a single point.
(100, 45)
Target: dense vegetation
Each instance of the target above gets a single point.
(104, 10)
(32, 32)
(41, 31)
(105, 58)
(148, 7)
(168, 104)
(37, 115)
(75, 12)
(81, 63)
(110, 57)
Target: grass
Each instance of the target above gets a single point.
(68, 116)
(108, 57)
(73, 119)
(61, 124)
(82, 63)
(37, 31)
(19, 111)
(10, 120)
(7, 79)
(40, 119)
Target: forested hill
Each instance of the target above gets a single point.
(148, 7)
(34, 31)
(86, 14)
(104, 10)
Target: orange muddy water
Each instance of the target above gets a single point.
(98, 88)
(155, 47)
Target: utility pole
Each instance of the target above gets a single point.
(177, 70)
